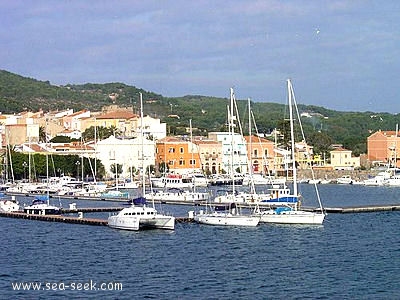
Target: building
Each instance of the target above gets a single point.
(180, 155)
(234, 152)
(341, 159)
(125, 152)
(260, 153)
(210, 155)
(382, 148)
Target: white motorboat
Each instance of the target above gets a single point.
(175, 194)
(9, 205)
(345, 179)
(139, 216)
(173, 181)
(41, 206)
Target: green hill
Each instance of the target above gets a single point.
(322, 126)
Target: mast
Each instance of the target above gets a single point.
(142, 147)
(232, 133)
(290, 95)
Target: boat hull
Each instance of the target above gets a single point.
(137, 223)
(293, 217)
(227, 220)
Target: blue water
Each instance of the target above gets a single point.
(352, 256)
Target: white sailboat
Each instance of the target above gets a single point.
(138, 215)
(230, 214)
(291, 212)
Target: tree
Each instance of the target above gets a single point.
(116, 169)
(101, 132)
(321, 142)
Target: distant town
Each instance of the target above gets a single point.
(175, 154)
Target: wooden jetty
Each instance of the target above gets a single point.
(102, 222)
(55, 218)
(71, 220)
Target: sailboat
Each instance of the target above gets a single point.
(290, 212)
(41, 203)
(138, 215)
(229, 214)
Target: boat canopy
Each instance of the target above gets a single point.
(139, 200)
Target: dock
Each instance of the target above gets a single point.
(103, 222)
(71, 220)
(55, 218)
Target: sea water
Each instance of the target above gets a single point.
(351, 256)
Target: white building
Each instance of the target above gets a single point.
(127, 152)
(234, 151)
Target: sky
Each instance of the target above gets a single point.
(342, 55)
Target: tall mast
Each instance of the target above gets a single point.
(290, 95)
(142, 147)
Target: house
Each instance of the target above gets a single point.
(341, 159)
(181, 156)
(234, 151)
(382, 148)
(210, 155)
(260, 153)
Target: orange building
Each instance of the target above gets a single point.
(181, 156)
(260, 153)
(383, 147)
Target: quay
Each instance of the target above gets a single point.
(71, 220)
(102, 222)
(54, 218)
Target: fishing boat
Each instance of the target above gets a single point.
(288, 208)
(138, 215)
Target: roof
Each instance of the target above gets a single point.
(117, 115)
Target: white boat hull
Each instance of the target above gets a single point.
(137, 223)
(227, 219)
(292, 217)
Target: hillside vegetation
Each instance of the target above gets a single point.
(322, 126)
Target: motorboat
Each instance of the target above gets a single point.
(9, 205)
(139, 216)
(175, 194)
(41, 206)
(345, 179)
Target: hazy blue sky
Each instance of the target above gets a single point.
(342, 55)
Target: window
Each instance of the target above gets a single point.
(266, 152)
(192, 162)
(181, 150)
(171, 150)
(255, 152)
(181, 162)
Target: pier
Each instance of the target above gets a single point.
(103, 222)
